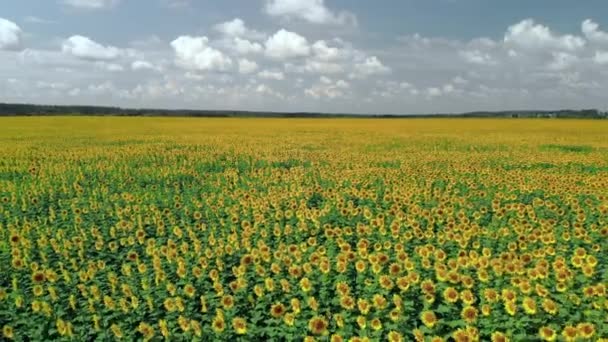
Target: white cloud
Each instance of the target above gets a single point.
(326, 88)
(85, 48)
(314, 11)
(592, 31)
(562, 60)
(91, 4)
(271, 75)
(247, 67)
(370, 66)
(111, 67)
(529, 35)
(477, 57)
(324, 52)
(266, 90)
(237, 28)
(142, 65)
(10, 35)
(601, 57)
(286, 44)
(194, 53)
(244, 46)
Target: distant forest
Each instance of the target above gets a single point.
(7, 109)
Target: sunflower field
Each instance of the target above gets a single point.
(187, 229)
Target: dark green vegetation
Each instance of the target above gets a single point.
(7, 109)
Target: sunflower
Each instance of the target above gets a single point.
(38, 290)
(38, 277)
(498, 336)
(239, 325)
(336, 338)
(146, 330)
(529, 305)
(376, 324)
(289, 319)
(403, 283)
(549, 306)
(469, 314)
(196, 328)
(227, 301)
(305, 285)
(467, 297)
(547, 334)
(585, 330)
(347, 302)
(277, 310)
(570, 333)
(189, 290)
(427, 287)
(379, 301)
(428, 318)
(508, 295)
(451, 295)
(461, 335)
(7, 332)
(318, 325)
(363, 306)
(164, 329)
(361, 322)
(218, 324)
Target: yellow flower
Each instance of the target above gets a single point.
(498, 336)
(164, 330)
(570, 333)
(547, 334)
(289, 319)
(376, 324)
(469, 314)
(428, 318)
(218, 324)
(585, 330)
(239, 325)
(451, 295)
(7, 332)
(277, 310)
(318, 325)
(394, 336)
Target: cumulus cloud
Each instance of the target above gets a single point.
(327, 88)
(244, 46)
(90, 4)
(286, 44)
(477, 57)
(324, 52)
(271, 75)
(247, 67)
(562, 61)
(601, 57)
(237, 28)
(314, 11)
(529, 35)
(370, 66)
(85, 48)
(10, 35)
(139, 65)
(592, 31)
(194, 53)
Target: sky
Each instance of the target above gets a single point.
(342, 56)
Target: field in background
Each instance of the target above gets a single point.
(275, 229)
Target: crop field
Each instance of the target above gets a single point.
(303, 229)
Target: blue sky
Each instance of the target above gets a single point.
(391, 56)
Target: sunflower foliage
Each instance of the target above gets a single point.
(329, 230)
